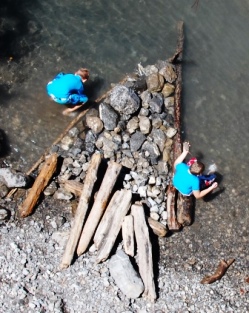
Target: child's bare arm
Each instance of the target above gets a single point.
(200, 194)
(182, 156)
(69, 110)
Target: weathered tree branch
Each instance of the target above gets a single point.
(128, 235)
(99, 205)
(39, 185)
(184, 210)
(171, 210)
(81, 211)
(111, 223)
(219, 273)
(144, 247)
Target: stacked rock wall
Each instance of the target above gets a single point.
(134, 126)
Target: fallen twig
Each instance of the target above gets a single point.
(219, 273)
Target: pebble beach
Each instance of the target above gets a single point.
(32, 248)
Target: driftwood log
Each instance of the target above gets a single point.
(81, 211)
(177, 149)
(144, 251)
(158, 228)
(172, 222)
(219, 273)
(39, 185)
(99, 205)
(128, 235)
(42, 158)
(184, 205)
(184, 211)
(111, 223)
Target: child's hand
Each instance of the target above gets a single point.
(66, 112)
(186, 146)
(214, 185)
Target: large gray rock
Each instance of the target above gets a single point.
(109, 145)
(108, 116)
(169, 105)
(152, 149)
(126, 278)
(12, 179)
(159, 137)
(156, 103)
(144, 124)
(133, 124)
(66, 143)
(155, 82)
(137, 139)
(124, 100)
(138, 84)
(128, 162)
(168, 90)
(169, 73)
(94, 123)
(90, 141)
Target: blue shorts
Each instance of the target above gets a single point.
(60, 100)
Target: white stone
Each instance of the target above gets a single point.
(152, 180)
(127, 177)
(170, 132)
(154, 215)
(164, 215)
(142, 190)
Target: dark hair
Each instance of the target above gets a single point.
(197, 168)
(83, 73)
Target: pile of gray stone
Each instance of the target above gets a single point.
(134, 126)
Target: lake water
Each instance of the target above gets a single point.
(41, 38)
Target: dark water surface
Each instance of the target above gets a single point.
(41, 38)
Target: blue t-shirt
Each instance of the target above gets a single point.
(184, 181)
(67, 89)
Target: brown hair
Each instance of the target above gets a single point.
(197, 168)
(83, 73)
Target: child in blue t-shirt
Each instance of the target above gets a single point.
(188, 179)
(69, 89)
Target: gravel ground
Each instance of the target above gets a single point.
(31, 250)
